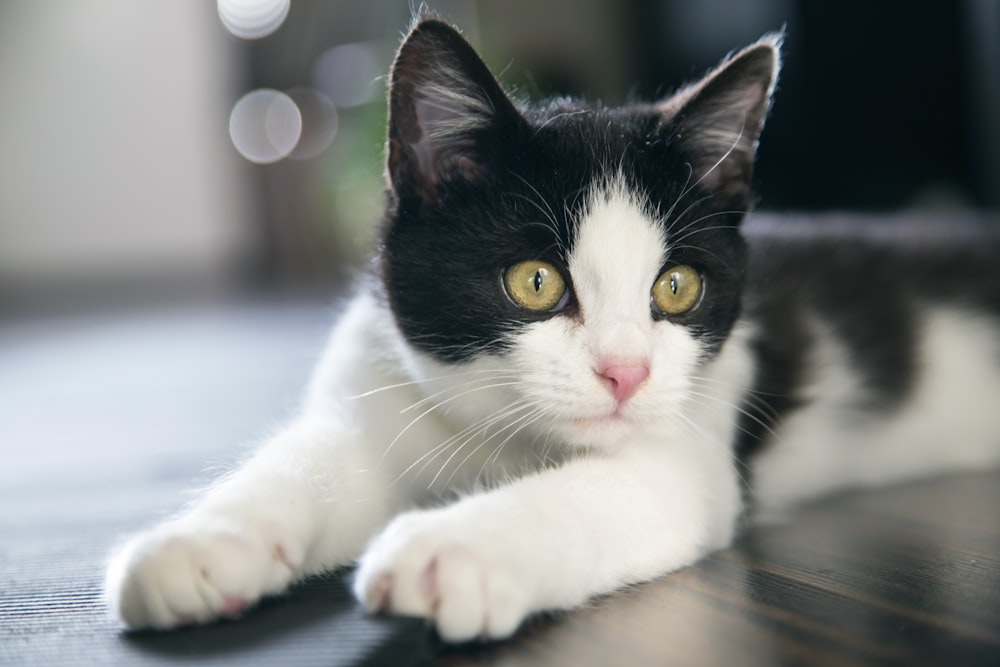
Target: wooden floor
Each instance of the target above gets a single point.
(909, 575)
(104, 424)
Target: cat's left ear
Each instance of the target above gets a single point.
(448, 116)
(719, 119)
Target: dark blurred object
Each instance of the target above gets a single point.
(880, 105)
(886, 105)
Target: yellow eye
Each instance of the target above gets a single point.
(534, 285)
(677, 290)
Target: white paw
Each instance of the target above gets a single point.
(425, 565)
(193, 571)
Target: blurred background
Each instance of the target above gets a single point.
(160, 151)
(188, 187)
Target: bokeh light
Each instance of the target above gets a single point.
(350, 74)
(265, 125)
(253, 19)
(319, 122)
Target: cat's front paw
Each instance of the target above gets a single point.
(193, 571)
(425, 565)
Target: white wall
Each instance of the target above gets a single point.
(115, 158)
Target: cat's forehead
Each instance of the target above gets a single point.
(569, 114)
(578, 154)
(601, 138)
(618, 251)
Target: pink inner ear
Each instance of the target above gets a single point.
(724, 135)
(466, 168)
(427, 116)
(438, 155)
(723, 114)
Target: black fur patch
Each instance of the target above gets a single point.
(866, 280)
(478, 184)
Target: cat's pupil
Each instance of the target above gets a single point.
(538, 280)
(673, 284)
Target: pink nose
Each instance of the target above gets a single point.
(624, 380)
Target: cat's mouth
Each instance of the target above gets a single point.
(610, 419)
(598, 430)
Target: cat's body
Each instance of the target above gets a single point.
(578, 368)
(879, 348)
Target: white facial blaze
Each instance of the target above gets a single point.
(617, 256)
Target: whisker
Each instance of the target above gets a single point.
(684, 191)
(688, 225)
(692, 232)
(432, 397)
(688, 186)
(699, 249)
(495, 455)
(476, 427)
(547, 211)
(670, 230)
(435, 407)
(738, 409)
(738, 465)
(462, 446)
(468, 456)
(425, 380)
(749, 395)
(556, 117)
(715, 166)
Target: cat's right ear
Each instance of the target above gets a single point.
(720, 118)
(448, 115)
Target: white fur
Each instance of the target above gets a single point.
(949, 423)
(653, 493)
(561, 492)
(384, 428)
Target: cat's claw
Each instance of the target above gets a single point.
(419, 567)
(188, 572)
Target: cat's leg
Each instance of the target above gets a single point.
(305, 502)
(552, 540)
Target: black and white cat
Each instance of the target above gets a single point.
(575, 366)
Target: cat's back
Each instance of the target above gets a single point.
(871, 261)
(875, 288)
(877, 344)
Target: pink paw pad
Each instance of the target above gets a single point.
(186, 620)
(381, 595)
(428, 582)
(232, 606)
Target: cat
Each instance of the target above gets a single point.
(577, 367)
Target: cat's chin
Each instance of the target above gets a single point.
(601, 432)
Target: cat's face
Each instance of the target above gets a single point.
(591, 255)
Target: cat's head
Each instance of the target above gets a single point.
(595, 252)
